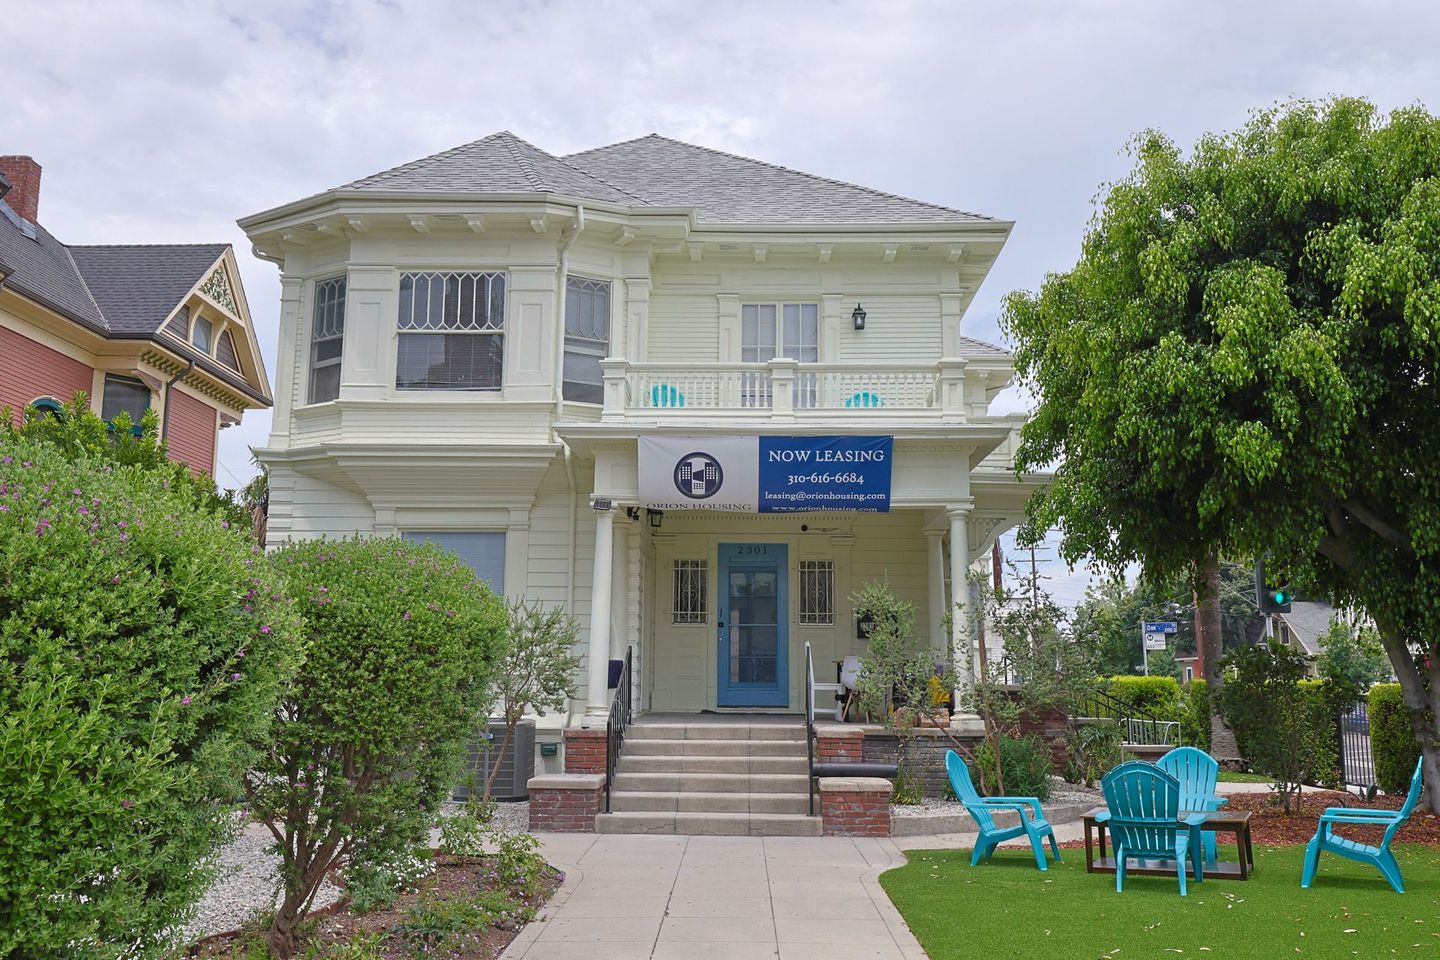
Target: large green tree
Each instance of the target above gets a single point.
(1243, 361)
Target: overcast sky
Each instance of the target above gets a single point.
(164, 122)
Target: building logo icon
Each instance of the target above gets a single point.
(698, 476)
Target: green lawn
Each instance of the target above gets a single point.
(1231, 776)
(1008, 909)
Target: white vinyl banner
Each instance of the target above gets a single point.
(700, 473)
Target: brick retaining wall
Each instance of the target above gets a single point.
(566, 802)
(585, 750)
(855, 807)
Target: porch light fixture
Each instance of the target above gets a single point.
(858, 315)
(632, 513)
(602, 504)
(656, 518)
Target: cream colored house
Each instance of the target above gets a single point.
(502, 349)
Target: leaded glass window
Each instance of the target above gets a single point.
(452, 331)
(587, 338)
(690, 602)
(327, 339)
(817, 591)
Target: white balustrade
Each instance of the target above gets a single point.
(784, 387)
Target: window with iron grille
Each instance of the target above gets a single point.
(452, 331)
(817, 591)
(689, 602)
(587, 338)
(327, 338)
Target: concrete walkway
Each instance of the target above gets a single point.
(726, 898)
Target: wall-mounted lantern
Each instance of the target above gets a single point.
(859, 317)
(656, 518)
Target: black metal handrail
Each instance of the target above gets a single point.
(810, 726)
(616, 723)
(1137, 724)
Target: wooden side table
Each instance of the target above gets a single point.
(1235, 822)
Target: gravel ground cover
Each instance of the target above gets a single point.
(249, 875)
(1062, 794)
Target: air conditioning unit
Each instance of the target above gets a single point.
(516, 767)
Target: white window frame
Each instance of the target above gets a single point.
(326, 327)
(816, 582)
(696, 573)
(580, 343)
(214, 328)
(428, 324)
(754, 352)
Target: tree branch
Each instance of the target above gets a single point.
(1368, 517)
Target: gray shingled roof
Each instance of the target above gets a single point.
(42, 270)
(500, 163)
(137, 286)
(658, 171)
(1309, 622)
(725, 188)
(118, 291)
(983, 348)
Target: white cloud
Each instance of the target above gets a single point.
(162, 121)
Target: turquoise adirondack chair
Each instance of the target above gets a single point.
(1380, 857)
(1198, 773)
(1032, 820)
(865, 399)
(1145, 822)
(665, 395)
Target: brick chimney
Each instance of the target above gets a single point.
(24, 176)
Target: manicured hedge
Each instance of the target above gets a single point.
(1392, 738)
(1159, 695)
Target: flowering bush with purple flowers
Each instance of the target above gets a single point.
(135, 688)
(400, 651)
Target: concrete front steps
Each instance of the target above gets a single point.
(714, 777)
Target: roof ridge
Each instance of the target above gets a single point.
(507, 139)
(391, 171)
(116, 246)
(802, 173)
(567, 165)
(85, 284)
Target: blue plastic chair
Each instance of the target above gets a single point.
(1145, 822)
(665, 395)
(1032, 820)
(865, 399)
(1379, 857)
(1198, 773)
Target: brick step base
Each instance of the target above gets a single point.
(710, 824)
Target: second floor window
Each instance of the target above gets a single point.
(452, 331)
(770, 330)
(587, 338)
(327, 339)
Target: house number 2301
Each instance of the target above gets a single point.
(753, 551)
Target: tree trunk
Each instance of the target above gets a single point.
(1423, 703)
(282, 939)
(1209, 639)
(499, 756)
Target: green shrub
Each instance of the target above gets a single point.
(1093, 749)
(1157, 695)
(369, 738)
(1195, 714)
(1284, 726)
(142, 645)
(1026, 762)
(1392, 738)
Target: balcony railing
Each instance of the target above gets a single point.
(788, 388)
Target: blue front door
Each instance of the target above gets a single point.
(753, 648)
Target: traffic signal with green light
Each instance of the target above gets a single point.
(1272, 593)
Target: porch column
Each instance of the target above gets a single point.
(597, 704)
(936, 554)
(959, 518)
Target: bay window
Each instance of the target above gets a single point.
(327, 339)
(451, 331)
(587, 339)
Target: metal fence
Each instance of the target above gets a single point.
(1357, 763)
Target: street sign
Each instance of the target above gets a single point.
(1161, 626)
(1154, 641)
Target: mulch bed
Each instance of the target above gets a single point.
(456, 880)
(1271, 827)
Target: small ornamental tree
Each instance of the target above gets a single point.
(537, 671)
(1283, 728)
(142, 646)
(400, 651)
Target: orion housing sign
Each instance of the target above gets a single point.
(766, 474)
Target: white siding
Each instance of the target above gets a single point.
(902, 329)
(684, 328)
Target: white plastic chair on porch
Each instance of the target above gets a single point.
(843, 692)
